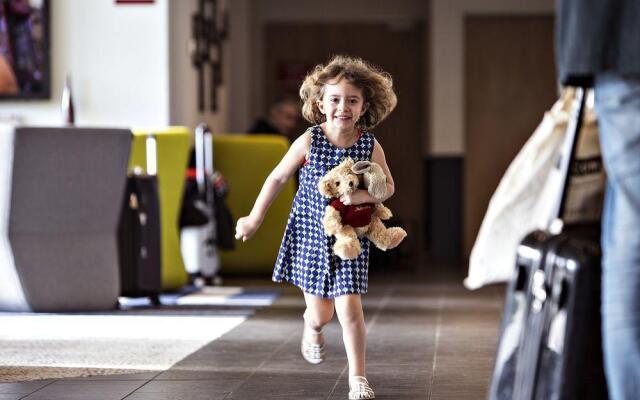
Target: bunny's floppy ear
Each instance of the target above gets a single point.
(361, 167)
(376, 181)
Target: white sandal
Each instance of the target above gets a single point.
(359, 388)
(312, 352)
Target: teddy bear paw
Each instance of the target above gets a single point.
(383, 212)
(347, 250)
(395, 235)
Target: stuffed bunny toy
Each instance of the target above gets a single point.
(349, 222)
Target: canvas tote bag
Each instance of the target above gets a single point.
(526, 194)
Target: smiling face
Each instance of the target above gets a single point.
(342, 103)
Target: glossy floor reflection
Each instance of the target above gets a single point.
(429, 338)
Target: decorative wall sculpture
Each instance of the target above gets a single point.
(209, 29)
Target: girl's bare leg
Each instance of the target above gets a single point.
(351, 317)
(318, 313)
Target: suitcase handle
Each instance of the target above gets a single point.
(568, 154)
(204, 160)
(151, 147)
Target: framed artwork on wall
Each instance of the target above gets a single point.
(134, 1)
(24, 49)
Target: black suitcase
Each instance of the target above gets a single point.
(139, 242)
(550, 342)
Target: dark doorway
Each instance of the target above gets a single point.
(509, 83)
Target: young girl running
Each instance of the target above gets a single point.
(344, 98)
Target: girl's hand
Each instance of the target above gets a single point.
(246, 227)
(358, 197)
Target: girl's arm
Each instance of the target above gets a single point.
(362, 196)
(247, 226)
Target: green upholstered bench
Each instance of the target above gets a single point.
(173, 145)
(246, 161)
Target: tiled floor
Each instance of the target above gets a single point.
(429, 338)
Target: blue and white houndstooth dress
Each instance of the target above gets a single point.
(306, 257)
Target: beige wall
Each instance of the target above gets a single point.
(444, 118)
(240, 59)
(117, 57)
(447, 122)
(140, 72)
(129, 66)
(183, 77)
(247, 100)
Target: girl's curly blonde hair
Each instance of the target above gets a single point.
(376, 86)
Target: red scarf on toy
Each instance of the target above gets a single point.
(354, 215)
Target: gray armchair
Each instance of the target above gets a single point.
(66, 191)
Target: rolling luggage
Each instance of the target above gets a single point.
(198, 241)
(139, 232)
(550, 342)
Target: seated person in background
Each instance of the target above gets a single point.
(282, 119)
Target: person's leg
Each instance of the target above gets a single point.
(618, 109)
(349, 310)
(318, 313)
(351, 317)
